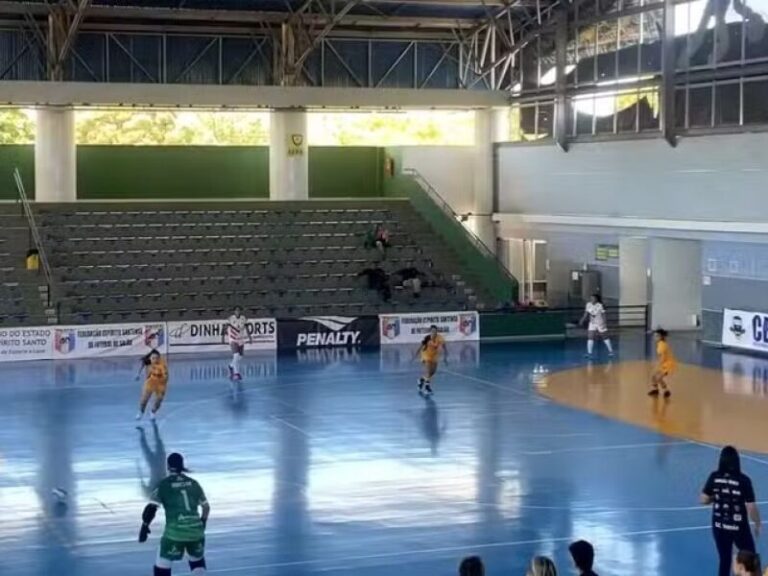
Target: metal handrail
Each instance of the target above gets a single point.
(27, 209)
(446, 208)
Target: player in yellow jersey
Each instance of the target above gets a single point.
(665, 365)
(429, 350)
(156, 383)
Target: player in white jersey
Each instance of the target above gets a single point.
(595, 315)
(237, 333)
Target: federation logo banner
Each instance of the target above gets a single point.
(108, 340)
(411, 328)
(26, 343)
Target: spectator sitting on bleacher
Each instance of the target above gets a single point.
(378, 237)
(411, 278)
(378, 280)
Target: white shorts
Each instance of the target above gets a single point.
(599, 328)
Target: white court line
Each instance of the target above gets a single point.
(537, 398)
(607, 447)
(443, 550)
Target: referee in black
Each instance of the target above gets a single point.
(732, 497)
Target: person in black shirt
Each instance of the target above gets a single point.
(471, 566)
(733, 504)
(583, 555)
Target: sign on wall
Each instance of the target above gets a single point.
(26, 344)
(328, 331)
(411, 328)
(211, 335)
(296, 145)
(747, 330)
(107, 340)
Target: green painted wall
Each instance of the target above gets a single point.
(337, 171)
(177, 172)
(23, 157)
(172, 172)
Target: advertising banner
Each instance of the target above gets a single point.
(108, 340)
(411, 328)
(26, 344)
(747, 330)
(328, 331)
(211, 335)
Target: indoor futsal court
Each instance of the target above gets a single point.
(330, 462)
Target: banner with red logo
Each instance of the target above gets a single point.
(411, 328)
(105, 340)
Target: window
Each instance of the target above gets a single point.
(756, 29)
(606, 50)
(700, 107)
(727, 104)
(756, 102)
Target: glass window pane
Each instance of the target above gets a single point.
(626, 112)
(700, 107)
(727, 104)
(651, 33)
(530, 66)
(756, 102)
(606, 50)
(586, 53)
(629, 42)
(755, 29)
(605, 108)
(650, 108)
(546, 114)
(728, 36)
(701, 33)
(584, 113)
(528, 122)
(547, 61)
(680, 108)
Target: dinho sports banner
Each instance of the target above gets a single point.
(105, 340)
(26, 344)
(747, 330)
(411, 328)
(211, 335)
(326, 331)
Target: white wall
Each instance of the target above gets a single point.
(675, 283)
(449, 169)
(703, 178)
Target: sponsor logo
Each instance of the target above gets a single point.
(335, 333)
(64, 341)
(154, 336)
(737, 327)
(390, 327)
(467, 324)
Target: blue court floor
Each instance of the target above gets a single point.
(329, 463)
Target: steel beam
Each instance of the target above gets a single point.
(668, 75)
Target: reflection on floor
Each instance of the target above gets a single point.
(329, 462)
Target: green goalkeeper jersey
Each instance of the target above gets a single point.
(181, 497)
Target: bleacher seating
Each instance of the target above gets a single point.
(131, 262)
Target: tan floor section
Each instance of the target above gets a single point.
(706, 405)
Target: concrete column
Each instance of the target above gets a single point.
(55, 156)
(288, 155)
(489, 125)
(675, 283)
(633, 274)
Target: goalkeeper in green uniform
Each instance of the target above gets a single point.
(182, 498)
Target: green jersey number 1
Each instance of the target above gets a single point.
(186, 500)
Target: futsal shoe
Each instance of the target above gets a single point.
(152, 416)
(238, 377)
(653, 392)
(231, 372)
(428, 390)
(667, 393)
(421, 384)
(139, 415)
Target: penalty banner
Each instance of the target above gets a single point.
(108, 340)
(211, 335)
(747, 330)
(411, 328)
